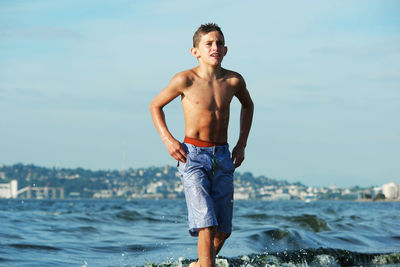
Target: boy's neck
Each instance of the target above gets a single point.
(208, 72)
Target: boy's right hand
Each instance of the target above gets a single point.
(175, 149)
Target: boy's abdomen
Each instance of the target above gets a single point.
(207, 126)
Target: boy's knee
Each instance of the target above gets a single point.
(227, 235)
(222, 236)
(212, 230)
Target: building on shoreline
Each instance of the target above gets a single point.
(164, 182)
(9, 190)
(391, 191)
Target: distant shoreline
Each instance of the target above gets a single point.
(182, 199)
(379, 200)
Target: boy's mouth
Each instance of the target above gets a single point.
(215, 55)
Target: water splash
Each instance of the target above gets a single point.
(322, 257)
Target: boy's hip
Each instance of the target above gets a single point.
(215, 161)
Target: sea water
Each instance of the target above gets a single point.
(154, 233)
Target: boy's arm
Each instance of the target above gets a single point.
(169, 93)
(246, 118)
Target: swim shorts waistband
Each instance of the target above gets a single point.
(200, 143)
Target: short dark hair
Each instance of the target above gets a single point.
(204, 29)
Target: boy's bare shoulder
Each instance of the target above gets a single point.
(183, 79)
(234, 78)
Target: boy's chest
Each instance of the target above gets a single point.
(210, 95)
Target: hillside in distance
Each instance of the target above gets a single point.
(160, 182)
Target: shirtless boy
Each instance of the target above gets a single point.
(204, 161)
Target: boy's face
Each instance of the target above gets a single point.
(211, 49)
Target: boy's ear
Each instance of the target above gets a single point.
(194, 52)
(225, 50)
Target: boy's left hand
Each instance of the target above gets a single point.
(238, 155)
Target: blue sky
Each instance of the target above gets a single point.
(76, 78)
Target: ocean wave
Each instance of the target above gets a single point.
(323, 257)
(33, 247)
(131, 215)
(127, 233)
(311, 221)
(127, 248)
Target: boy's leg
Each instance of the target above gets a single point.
(209, 249)
(205, 248)
(222, 194)
(219, 241)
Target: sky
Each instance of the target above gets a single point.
(77, 77)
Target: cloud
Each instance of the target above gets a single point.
(38, 33)
(359, 45)
(29, 93)
(391, 76)
(24, 92)
(36, 99)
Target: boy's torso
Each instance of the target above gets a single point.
(206, 105)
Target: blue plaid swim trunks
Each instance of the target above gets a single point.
(207, 178)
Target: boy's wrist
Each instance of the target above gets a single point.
(166, 140)
(241, 144)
